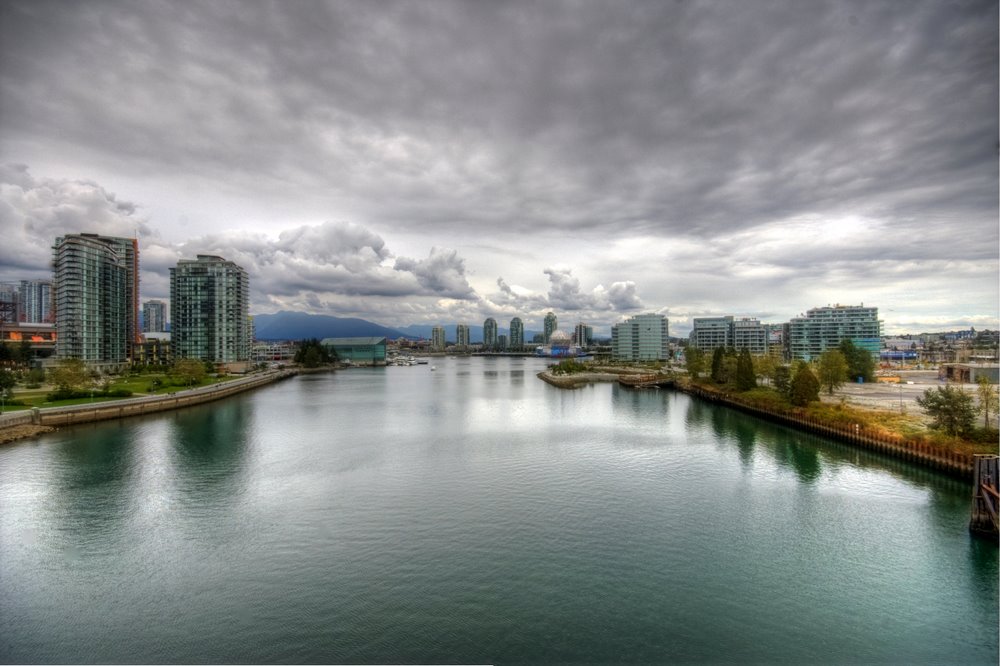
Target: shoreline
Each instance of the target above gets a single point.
(24, 424)
(953, 463)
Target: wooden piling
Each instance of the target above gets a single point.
(985, 500)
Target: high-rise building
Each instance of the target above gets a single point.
(824, 328)
(209, 302)
(462, 338)
(34, 303)
(516, 334)
(490, 333)
(550, 326)
(437, 338)
(154, 316)
(502, 342)
(583, 335)
(9, 299)
(643, 337)
(94, 278)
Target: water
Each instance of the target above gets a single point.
(476, 514)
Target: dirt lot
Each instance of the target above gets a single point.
(893, 397)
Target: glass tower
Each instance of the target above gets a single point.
(209, 310)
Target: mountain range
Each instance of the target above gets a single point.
(288, 325)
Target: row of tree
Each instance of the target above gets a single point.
(741, 370)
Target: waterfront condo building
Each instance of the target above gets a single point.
(641, 338)
(516, 334)
(209, 302)
(743, 333)
(154, 316)
(824, 328)
(437, 338)
(490, 333)
(550, 325)
(462, 337)
(96, 296)
(707, 333)
(583, 335)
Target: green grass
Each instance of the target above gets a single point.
(139, 385)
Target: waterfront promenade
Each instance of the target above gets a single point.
(27, 423)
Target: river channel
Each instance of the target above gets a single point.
(472, 513)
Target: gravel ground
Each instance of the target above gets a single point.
(893, 397)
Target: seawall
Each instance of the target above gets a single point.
(52, 417)
(954, 463)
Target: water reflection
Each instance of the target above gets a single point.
(210, 449)
(96, 472)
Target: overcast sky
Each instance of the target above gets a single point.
(436, 162)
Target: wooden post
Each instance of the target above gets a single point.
(984, 496)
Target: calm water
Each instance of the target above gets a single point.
(476, 514)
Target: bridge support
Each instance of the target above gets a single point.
(985, 500)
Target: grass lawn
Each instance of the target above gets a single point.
(139, 385)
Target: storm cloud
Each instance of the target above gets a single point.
(756, 157)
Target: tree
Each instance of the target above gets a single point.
(311, 354)
(832, 370)
(989, 401)
(745, 377)
(805, 387)
(70, 374)
(694, 360)
(950, 408)
(782, 379)
(7, 381)
(859, 361)
(763, 366)
(717, 359)
(190, 370)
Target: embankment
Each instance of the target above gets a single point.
(576, 380)
(32, 422)
(954, 463)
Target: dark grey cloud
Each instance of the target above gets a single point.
(747, 131)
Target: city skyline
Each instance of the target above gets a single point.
(425, 163)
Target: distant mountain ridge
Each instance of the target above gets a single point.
(291, 325)
(287, 325)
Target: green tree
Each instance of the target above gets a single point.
(191, 371)
(989, 401)
(832, 370)
(718, 355)
(805, 387)
(763, 366)
(782, 379)
(7, 381)
(694, 360)
(859, 361)
(950, 408)
(311, 354)
(70, 374)
(745, 377)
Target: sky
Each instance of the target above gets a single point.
(432, 162)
